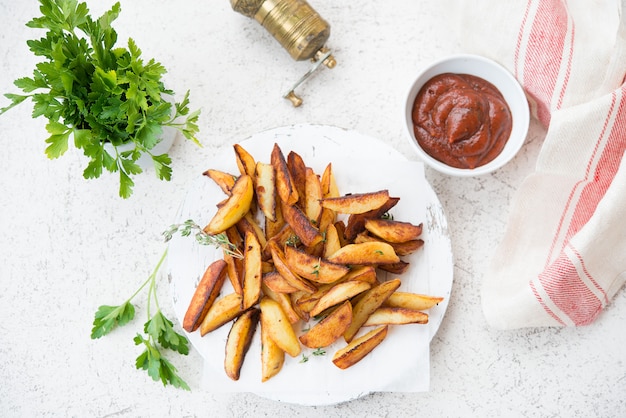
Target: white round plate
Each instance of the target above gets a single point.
(359, 163)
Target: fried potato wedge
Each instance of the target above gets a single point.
(393, 231)
(277, 283)
(367, 304)
(283, 268)
(359, 348)
(308, 234)
(356, 222)
(225, 181)
(362, 273)
(329, 329)
(285, 187)
(249, 224)
(222, 311)
(312, 196)
(275, 321)
(332, 243)
(252, 274)
(356, 203)
(329, 183)
(238, 342)
(313, 268)
(367, 253)
(245, 161)
(297, 168)
(284, 301)
(205, 294)
(395, 316)
(272, 356)
(234, 208)
(413, 301)
(265, 188)
(401, 248)
(339, 293)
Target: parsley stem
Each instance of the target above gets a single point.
(150, 278)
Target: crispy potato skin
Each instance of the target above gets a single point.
(272, 356)
(359, 348)
(329, 329)
(393, 231)
(234, 208)
(204, 295)
(222, 311)
(356, 203)
(370, 301)
(238, 342)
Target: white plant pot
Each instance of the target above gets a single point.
(145, 161)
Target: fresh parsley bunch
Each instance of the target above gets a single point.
(99, 93)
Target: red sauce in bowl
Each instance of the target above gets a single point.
(461, 120)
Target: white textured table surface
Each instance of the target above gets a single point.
(70, 245)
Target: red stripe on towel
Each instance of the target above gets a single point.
(560, 280)
(544, 55)
(569, 292)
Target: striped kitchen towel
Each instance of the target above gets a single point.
(563, 255)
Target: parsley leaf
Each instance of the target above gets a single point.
(157, 366)
(88, 87)
(108, 317)
(161, 329)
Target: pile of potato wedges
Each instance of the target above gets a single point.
(306, 254)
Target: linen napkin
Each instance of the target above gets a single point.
(563, 255)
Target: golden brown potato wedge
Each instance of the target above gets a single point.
(245, 161)
(365, 253)
(386, 315)
(283, 268)
(329, 183)
(238, 342)
(284, 301)
(362, 273)
(313, 268)
(356, 222)
(329, 329)
(357, 202)
(413, 301)
(297, 168)
(222, 311)
(312, 196)
(368, 303)
(272, 356)
(401, 248)
(205, 294)
(339, 293)
(359, 348)
(252, 275)
(393, 231)
(225, 181)
(332, 243)
(274, 319)
(234, 208)
(308, 234)
(277, 283)
(265, 188)
(285, 187)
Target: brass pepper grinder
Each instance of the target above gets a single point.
(297, 27)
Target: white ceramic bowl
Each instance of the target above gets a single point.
(495, 74)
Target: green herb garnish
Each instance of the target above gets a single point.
(99, 93)
(158, 331)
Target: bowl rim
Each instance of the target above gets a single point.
(514, 95)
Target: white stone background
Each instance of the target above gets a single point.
(70, 245)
